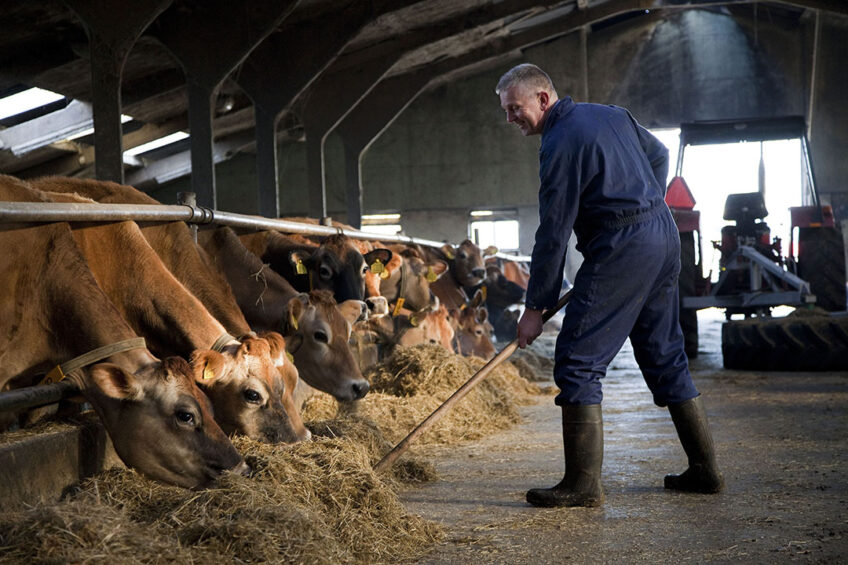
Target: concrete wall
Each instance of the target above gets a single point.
(452, 151)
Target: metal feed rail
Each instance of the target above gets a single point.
(23, 212)
(84, 212)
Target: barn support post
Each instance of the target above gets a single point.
(268, 196)
(273, 78)
(113, 28)
(210, 40)
(349, 78)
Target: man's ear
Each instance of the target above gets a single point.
(544, 100)
(115, 382)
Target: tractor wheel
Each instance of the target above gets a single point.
(686, 286)
(821, 262)
(798, 342)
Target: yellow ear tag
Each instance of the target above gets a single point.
(449, 254)
(413, 321)
(484, 292)
(491, 250)
(431, 274)
(377, 267)
(300, 267)
(384, 274)
(208, 373)
(289, 356)
(54, 376)
(398, 306)
(293, 321)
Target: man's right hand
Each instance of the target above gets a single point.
(529, 327)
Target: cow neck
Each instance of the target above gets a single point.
(175, 247)
(81, 316)
(148, 296)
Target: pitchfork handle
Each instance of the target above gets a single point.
(484, 371)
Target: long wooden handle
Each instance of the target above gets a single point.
(484, 371)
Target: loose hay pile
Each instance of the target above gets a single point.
(414, 381)
(315, 502)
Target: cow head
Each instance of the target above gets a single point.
(466, 263)
(409, 278)
(429, 326)
(473, 330)
(161, 423)
(339, 266)
(246, 387)
(500, 291)
(317, 331)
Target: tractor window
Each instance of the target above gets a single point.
(712, 172)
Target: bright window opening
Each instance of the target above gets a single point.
(26, 100)
(387, 229)
(157, 143)
(503, 234)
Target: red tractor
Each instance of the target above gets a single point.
(754, 276)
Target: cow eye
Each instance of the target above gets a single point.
(462, 255)
(185, 418)
(325, 272)
(321, 337)
(478, 332)
(252, 396)
(365, 270)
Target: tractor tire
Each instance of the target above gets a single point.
(686, 286)
(794, 343)
(821, 262)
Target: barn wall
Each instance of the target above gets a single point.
(452, 148)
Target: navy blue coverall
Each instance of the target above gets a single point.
(603, 176)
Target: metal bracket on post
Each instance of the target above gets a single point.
(189, 199)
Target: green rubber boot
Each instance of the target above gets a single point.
(583, 440)
(703, 475)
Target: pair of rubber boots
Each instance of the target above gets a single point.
(583, 437)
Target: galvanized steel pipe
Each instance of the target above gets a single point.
(84, 212)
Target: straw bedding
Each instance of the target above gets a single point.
(314, 502)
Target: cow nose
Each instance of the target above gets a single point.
(242, 469)
(360, 389)
(479, 273)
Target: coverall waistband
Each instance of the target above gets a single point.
(629, 217)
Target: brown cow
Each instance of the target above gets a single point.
(52, 310)
(317, 329)
(336, 264)
(473, 330)
(241, 403)
(410, 276)
(241, 378)
(465, 269)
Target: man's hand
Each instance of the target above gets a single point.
(529, 327)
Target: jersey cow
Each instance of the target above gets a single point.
(52, 310)
(317, 329)
(336, 264)
(242, 378)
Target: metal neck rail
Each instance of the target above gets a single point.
(29, 212)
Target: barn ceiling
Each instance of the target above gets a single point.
(309, 62)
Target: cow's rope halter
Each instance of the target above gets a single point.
(60, 372)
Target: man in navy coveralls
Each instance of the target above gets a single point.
(602, 175)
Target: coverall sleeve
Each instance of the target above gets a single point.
(559, 196)
(655, 151)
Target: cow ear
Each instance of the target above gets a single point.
(379, 257)
(294, 312)
(482, 315)
(479, 298)
(394, 263)
(436, 269)
(353, 310)
(448, 250)
(491, 250)
(115, 382)
(207, 366)
(298, 259)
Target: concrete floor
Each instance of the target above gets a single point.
(781, 442)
